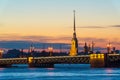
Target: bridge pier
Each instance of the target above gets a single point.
(45, 65)
(5, 65)
(113, 61)
(104, 60)
(98, 60)
(33, 64)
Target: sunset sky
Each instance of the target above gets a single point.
(52, 21)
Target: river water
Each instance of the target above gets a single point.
(60, 72)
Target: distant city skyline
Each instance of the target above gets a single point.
(51, 21)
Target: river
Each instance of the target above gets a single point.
(60, 72)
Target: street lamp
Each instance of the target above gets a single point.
(50, 49)
(1, 52)
(109, 48)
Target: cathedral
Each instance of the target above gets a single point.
(74, 45)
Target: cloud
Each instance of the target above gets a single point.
(117, 26)
(89, 39)
(37, 45)
(15, 39)
(37, 38)
(47, 39)
(26, 45)
(91, 27)
(116, 43)
(99, 27)
(43, 39)
(100, 43)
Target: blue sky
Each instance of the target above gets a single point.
(54, 18)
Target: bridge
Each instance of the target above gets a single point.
(95, 60)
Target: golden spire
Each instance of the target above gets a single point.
(74, 45)
(74, 22)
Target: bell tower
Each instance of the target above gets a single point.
(74, 45)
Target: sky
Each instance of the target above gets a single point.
(52, 21)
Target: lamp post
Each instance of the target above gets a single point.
(109, 48)
(114, 49)
(1, 52)
(93, 45)
(31, 50)
(50, 49)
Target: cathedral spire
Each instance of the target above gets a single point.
(74, 45)
(74, 22)
(74, 26)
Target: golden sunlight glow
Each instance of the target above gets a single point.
(30, 59)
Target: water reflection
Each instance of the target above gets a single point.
(109, 70)
(62, 72)
(1, 69)
(50, 68)
(51, 74)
